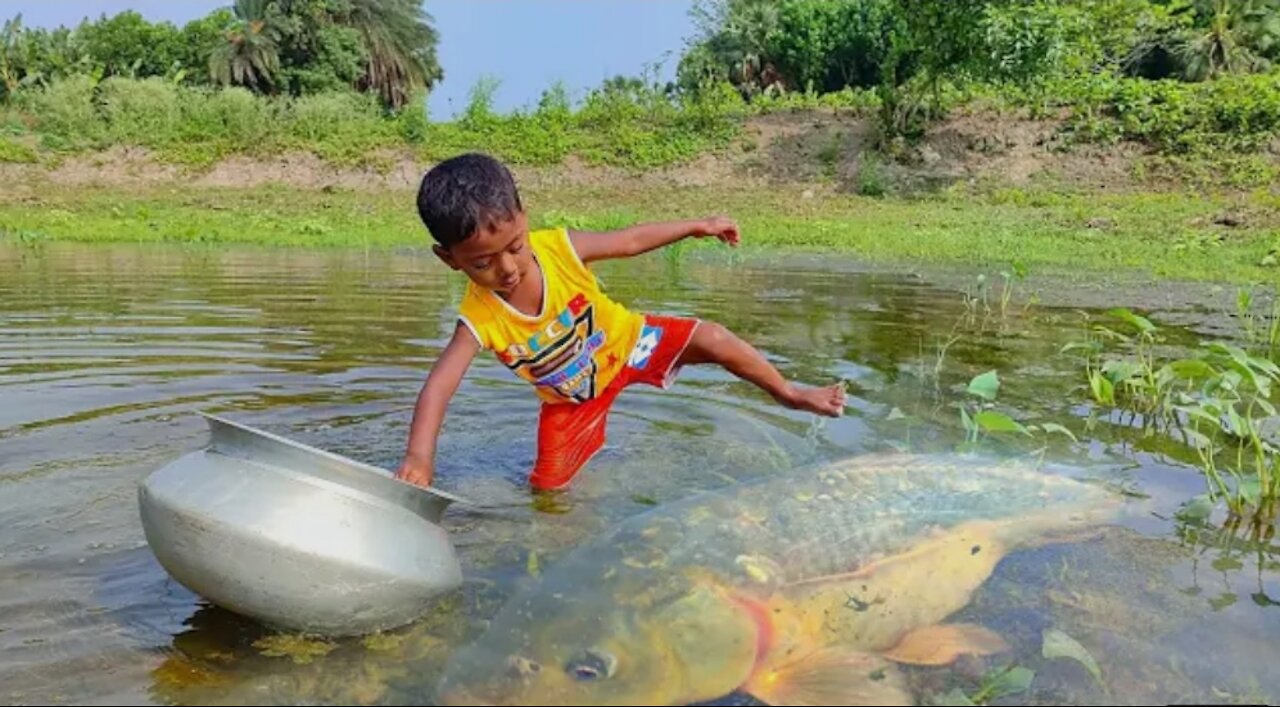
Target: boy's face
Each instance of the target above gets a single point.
(496, 257)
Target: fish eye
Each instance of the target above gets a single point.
(591, 665)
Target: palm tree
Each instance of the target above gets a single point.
(400, 44)
(251, 55)
(736, 38)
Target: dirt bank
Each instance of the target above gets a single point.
(825, 152)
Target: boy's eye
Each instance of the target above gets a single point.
(482, 265)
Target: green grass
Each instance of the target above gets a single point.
(1168, 235)
(12, 151)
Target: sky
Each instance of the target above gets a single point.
(526, 44)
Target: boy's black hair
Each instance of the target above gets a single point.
(464, 193)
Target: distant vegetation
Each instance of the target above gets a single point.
(274, 47)
(345, 78)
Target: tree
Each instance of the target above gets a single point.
(400, 48)
(128, 45)
(317, 52)
(1227, 37)
(308, 46)
(200, 39)
(734, 45)
(250, 56)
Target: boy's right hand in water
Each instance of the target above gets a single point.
(418, 466)
(415, 470)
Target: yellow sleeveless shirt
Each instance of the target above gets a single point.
(580, 341)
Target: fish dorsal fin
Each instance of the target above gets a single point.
(942, 644)
(829, 676)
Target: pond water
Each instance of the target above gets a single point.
(106, 351)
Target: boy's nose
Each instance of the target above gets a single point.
(507, 267)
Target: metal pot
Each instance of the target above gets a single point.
(296, 537)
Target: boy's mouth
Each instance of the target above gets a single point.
(511, 282)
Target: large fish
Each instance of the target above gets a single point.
(803, 588)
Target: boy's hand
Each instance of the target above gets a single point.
(416, 470)
(720, 227)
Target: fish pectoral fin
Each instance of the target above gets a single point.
(830, 676)
(943, 643)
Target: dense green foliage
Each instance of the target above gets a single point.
(830, 44)
(296, 47)
(346, 79)
(910, 49)
(621, 125)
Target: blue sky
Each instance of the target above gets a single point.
(526, 44)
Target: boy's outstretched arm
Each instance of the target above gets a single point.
(645, 237)
(418, 466)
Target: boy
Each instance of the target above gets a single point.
(534, 303)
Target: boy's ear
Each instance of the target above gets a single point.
(445, 256)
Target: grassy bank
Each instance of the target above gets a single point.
(1234, 239)
(636, 127)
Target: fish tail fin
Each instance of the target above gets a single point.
(942, 644)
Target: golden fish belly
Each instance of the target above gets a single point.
(872, 608)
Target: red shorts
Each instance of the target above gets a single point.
(569, 434)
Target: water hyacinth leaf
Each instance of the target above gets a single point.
(1103, 390)
(1197, 439)
(1197, 509)
(1191, 369)
(1057, 644)
(993, 421)
(1263, 386)
(1137, 321)
(1243, 359)
(985, 385)
(1236, 425)
(1199, 412)
(1055, 427)
(1119, 371)
(1265, 365)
